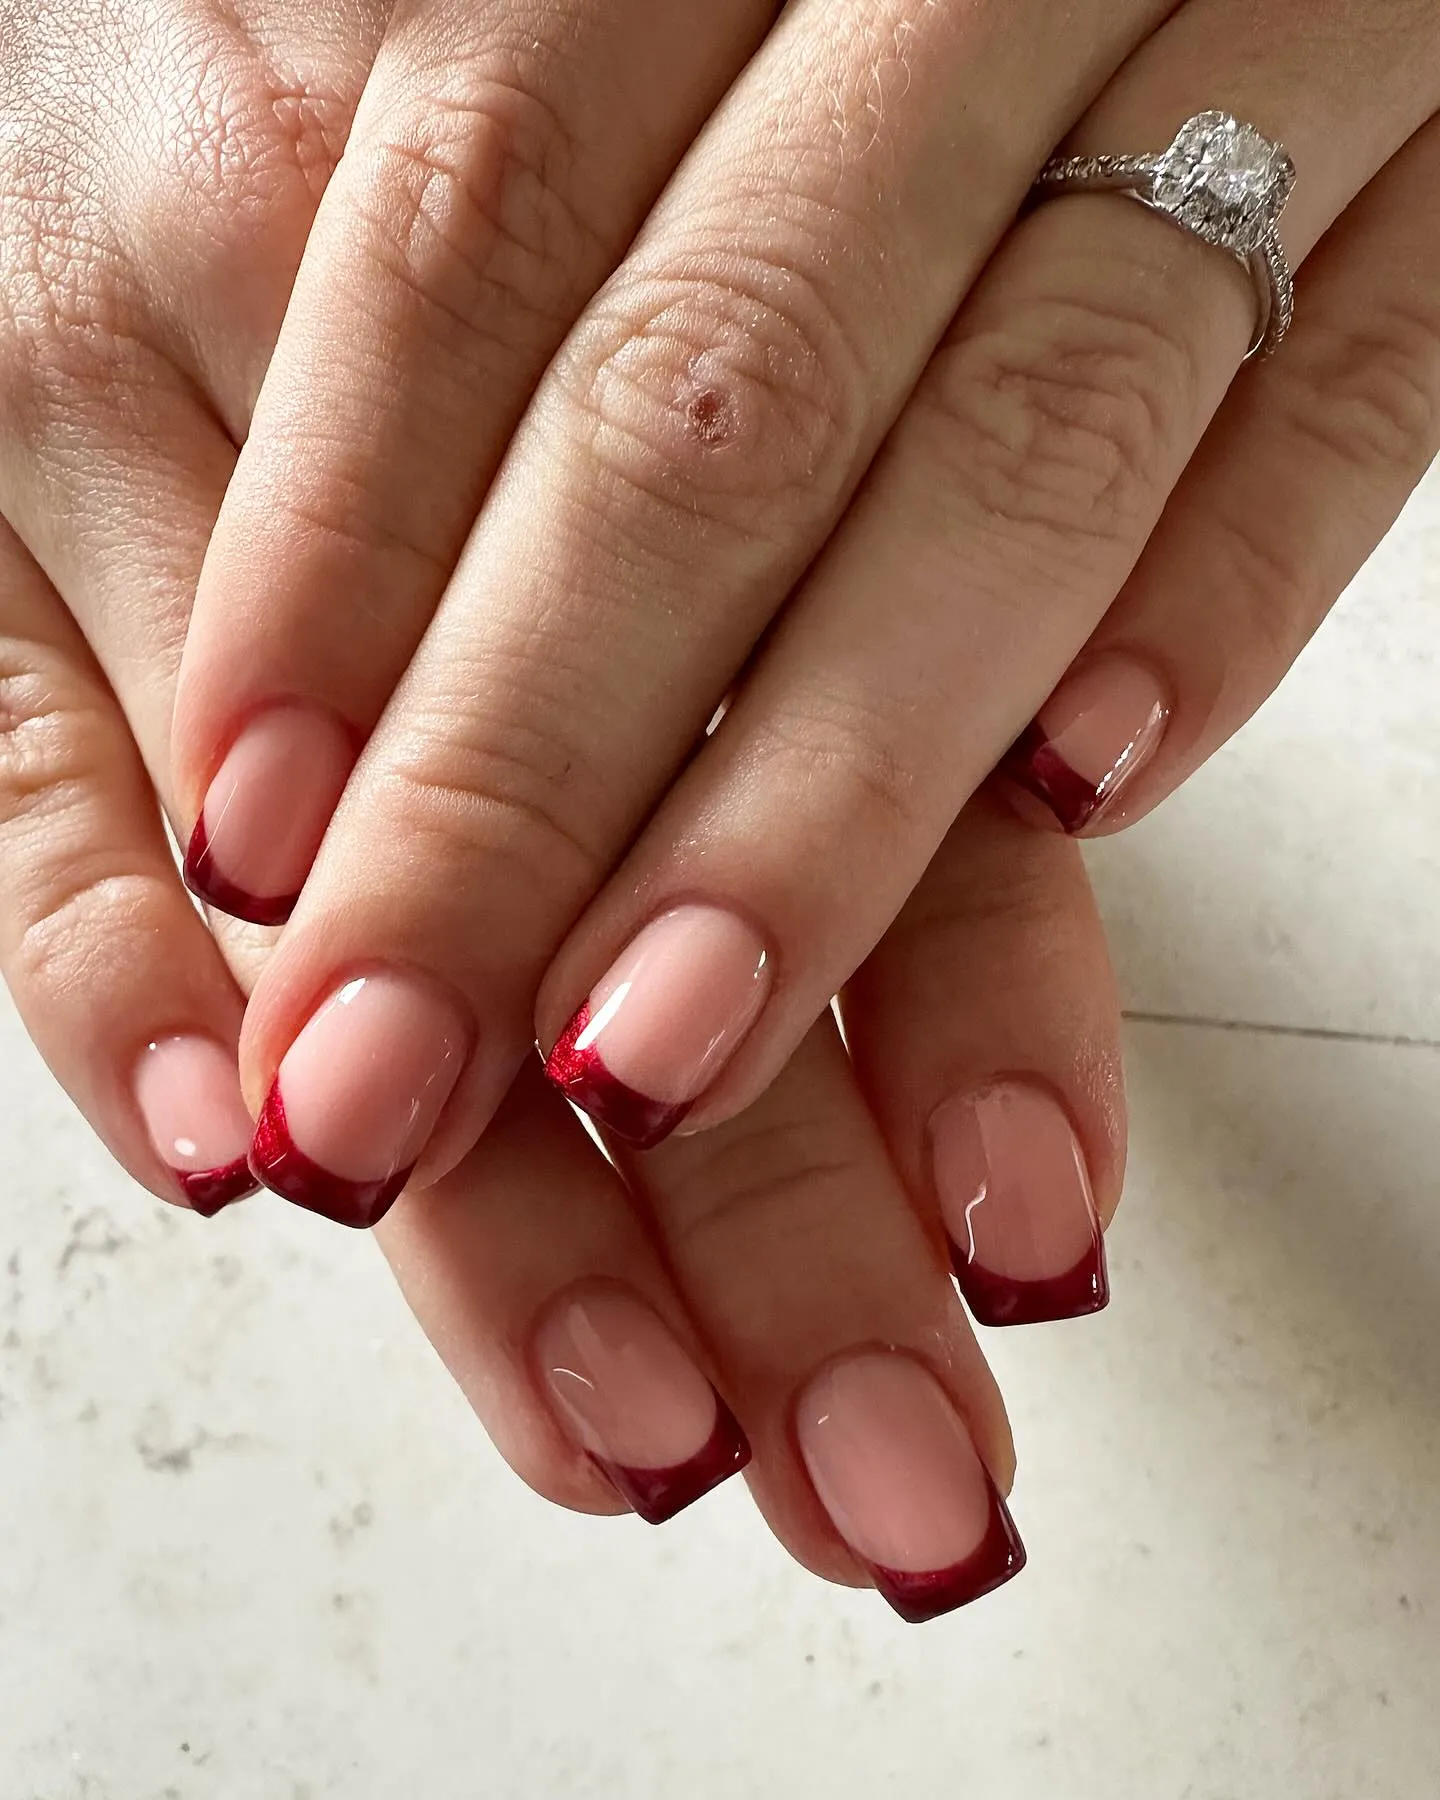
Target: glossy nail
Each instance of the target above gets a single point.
(358, 1094)
(896, 1470)
(663, 1023)
(636, 1403)
(1013, 1187)
(267, 810)
(188, 1092)
(1090, 739)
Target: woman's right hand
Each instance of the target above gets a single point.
(156, 191)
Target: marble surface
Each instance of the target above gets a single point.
(256, 1549)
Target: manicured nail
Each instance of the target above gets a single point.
(188, 1092)
(1090, 739)
(357, 1096)
(636, 1403)
(1011, 1178)
(904, 1485)
(663, 1023)
(267, 810)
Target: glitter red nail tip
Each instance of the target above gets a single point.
(1034, 764)
(929, 1595)
(206, 882)
(210, 1191)
(996, 1300)
(287, 1171)
(658, 1494)
(583, 1078)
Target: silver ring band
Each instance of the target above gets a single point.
(1221, 180)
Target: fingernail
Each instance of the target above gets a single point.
(357, 1096)
(636, 1403)
(904, 1485)
(1011, 1178)
(267, 810)
(188, 1092)
(1090, 739)
(663, 1023)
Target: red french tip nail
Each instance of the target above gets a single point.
(1034, 764)
(921, 1597)
(994, 1300)
(210, 1191)
(287, 1171)
(658, 1494)
(206, 882)
(583, 1079)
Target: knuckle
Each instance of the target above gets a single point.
(840, 750)
(470, 204)
(1274, 576)
(53, 737)
(724, 396)
(90, 922)
(70, 902)
(505, 791)
(1057, 420)
(332, 508)
(1368, 390)
(770, 1183)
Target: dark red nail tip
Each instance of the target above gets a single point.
(658, 1494)
(1034, 764)
(289, 1172)
(206, 882)
(996, 1300)
(999, 1558)
(582, 1078)
(210, 1191)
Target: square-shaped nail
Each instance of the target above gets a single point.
(358, 1094)
(636, 1403)
(663, 1022)
(1091, 739)
(1015, 1193)
(266, 810)
(899, 1475)
(188, 1090)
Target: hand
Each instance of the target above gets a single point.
(794, 1261)
(772, 403)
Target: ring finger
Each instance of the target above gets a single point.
(1304, 470)
(1009, 505)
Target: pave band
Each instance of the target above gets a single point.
(1222, 181)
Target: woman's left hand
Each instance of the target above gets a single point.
(768, 348)
(785, 1278)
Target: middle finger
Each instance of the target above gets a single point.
(682, 463)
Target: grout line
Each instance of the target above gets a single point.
(1320, 1032)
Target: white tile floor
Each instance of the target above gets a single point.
(255, 1549)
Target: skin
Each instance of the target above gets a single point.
(769, 1248)
(125, 442)
(809, 382)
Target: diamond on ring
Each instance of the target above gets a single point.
(1221, 180)
(1224, 181)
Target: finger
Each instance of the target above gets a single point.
(484, 193)
(111, 970)
(985, 1031)
(111, 475)
(697, 436)
(881, 1448)
(1303, 472)
(1010, 504)
(530, 1272)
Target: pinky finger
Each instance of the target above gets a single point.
(1303, 471)
(113, 973)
